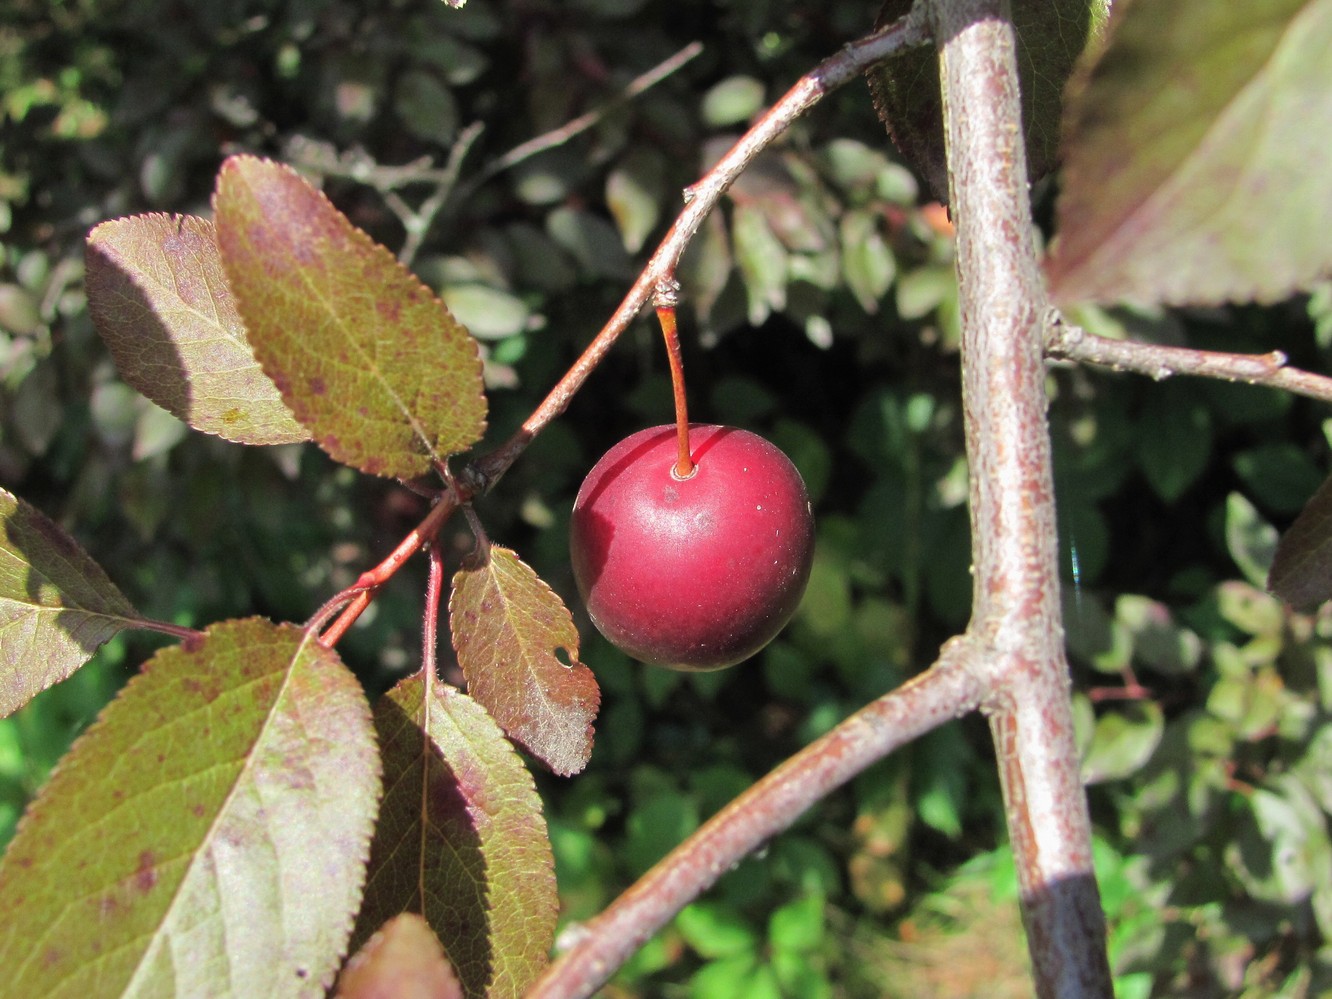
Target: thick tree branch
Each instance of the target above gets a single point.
(1072, 343)
(597, 948)
(1016, 622)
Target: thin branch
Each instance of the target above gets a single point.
(700, 200)
(1072, 343)
(358, 596)
(559, 136)
(179, 631)
(949, 689)
(1016, 616)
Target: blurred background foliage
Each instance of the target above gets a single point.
(819, 309)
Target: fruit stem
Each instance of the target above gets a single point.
(684, 464)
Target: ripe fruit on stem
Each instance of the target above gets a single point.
(699, 572)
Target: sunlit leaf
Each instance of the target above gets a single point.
(1301, 571)
(1192, 147)
(363, 353)
(634, 195)
(207, 836)
(56, 604)
(1051, 35)
(762, 259)
(1122, 741)
(159, 298)
(403, 960)
(518, 648)
(461, 839)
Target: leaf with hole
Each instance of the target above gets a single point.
(159, 297)
(363, 353)
(206, 836)
(518, 649)
(56, 604)
(461, 839)
(1188, 151)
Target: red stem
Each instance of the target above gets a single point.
(684, 463)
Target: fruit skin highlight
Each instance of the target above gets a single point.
(695, 573)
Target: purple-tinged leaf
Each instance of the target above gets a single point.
(159, 298)
(461, 839)
(206, 836)
(1301, 572)
(56, 604)
(1192, 156)
(509, 629)
(364, 354)
(403, 960)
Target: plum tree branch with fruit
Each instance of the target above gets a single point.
(690, 545)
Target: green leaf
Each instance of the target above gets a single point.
(1301, 571)
(1191, 157)
(461, 839)
(762, 259)
(798, 926)
(159, 298)
(490, 314)
(402, 959)
(1051, 35)
(1251, 540)
(1174, 440)
(867, 259)
(518, 649)
(634, 193)
(206, 836)
(732, 101)
(1122, 741)
(56, 604)
(1158, 642)
(426, 107)
(362, 352)
(714, 929)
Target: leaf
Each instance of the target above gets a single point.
(1192, 152)
(159, 298)
(1174, 439)
(206, 836)
(461, 839)
(363, 353)
(56, 604)
(404, 960)
(1051, 35)
(762, 259)
(1122, 741)
(510, 630)
(1301, 572)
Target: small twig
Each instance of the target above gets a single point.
(417, 222)
(559, 136)
(358, 596)
(700, 200)
(1072, 343)
(949, 689)
(167, 628)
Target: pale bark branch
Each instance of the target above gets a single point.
(1016, 619)
(597, 948)
(1072, 343)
